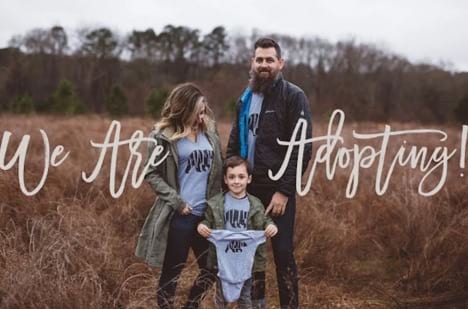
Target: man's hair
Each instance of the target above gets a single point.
(267, 43)
(235, 161)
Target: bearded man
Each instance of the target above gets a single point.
(268, 110)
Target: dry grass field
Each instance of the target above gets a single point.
(71, 245)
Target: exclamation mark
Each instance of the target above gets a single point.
(463, 148)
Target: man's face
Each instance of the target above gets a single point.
(236, 179)
(265, 63)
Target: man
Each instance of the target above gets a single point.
(268, 110)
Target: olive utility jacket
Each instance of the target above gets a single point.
(152, 241)
(257, 220)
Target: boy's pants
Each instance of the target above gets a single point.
(244, 301)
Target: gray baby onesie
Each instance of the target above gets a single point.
(236, 253)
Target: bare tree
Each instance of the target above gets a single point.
(215, 45)
(143, 44)
(101, 43)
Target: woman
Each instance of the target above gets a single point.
(183, 182)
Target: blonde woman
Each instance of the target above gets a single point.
(189, 176)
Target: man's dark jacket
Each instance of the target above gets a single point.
(282, 107)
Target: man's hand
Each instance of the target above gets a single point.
(271, 230)
(186, 210)
(277, 205)
(203, 230)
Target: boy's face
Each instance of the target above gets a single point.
(237, 179)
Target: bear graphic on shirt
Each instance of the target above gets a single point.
(235, 246)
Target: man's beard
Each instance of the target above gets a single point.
(260, 84)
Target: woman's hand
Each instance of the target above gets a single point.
(271, 230)
(186, 210)
(203, 230)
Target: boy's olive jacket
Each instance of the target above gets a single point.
(257, 220)
(152, 241)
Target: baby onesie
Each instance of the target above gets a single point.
(236, 253)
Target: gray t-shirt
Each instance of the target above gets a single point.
(236, 253)
(254, 116)
(236, 212)
(195, 159)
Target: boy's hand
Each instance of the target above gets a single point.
(203, 230)
(271, 230)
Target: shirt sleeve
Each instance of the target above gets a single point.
(233, 147)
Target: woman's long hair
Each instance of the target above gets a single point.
(181, 110)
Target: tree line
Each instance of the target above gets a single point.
(102, 71)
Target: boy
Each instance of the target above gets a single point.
(239, 213)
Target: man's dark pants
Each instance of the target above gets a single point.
(282, 244)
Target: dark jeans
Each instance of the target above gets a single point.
(282, 243)
(182, 236)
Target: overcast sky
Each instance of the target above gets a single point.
(430, 31)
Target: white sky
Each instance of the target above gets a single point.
(431, 31)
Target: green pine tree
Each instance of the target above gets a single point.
(22, 104)
(155, 102)
(116, 104)
(65, 101)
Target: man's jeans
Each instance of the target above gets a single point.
(182, 236)
(282, 243)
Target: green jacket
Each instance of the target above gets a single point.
(152, 241)
(214, 219)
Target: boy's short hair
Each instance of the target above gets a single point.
(234, 161)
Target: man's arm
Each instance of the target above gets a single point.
(298, 107)
(233, 147)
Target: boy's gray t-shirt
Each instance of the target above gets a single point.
(236, 212)
(235, 252)
(195, 160)
(254, 117)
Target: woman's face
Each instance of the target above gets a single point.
(200, 110)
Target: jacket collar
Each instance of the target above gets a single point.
(278, 79)
(167, 133)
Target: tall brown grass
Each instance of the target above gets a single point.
(72, 244)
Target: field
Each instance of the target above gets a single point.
(71, 245)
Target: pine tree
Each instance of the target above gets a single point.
(116, 104)
(65, 101)
(155, 102)
(22, 104)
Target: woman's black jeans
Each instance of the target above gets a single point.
(182, 236)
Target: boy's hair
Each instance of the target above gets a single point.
(267, 43)
(234, 161)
